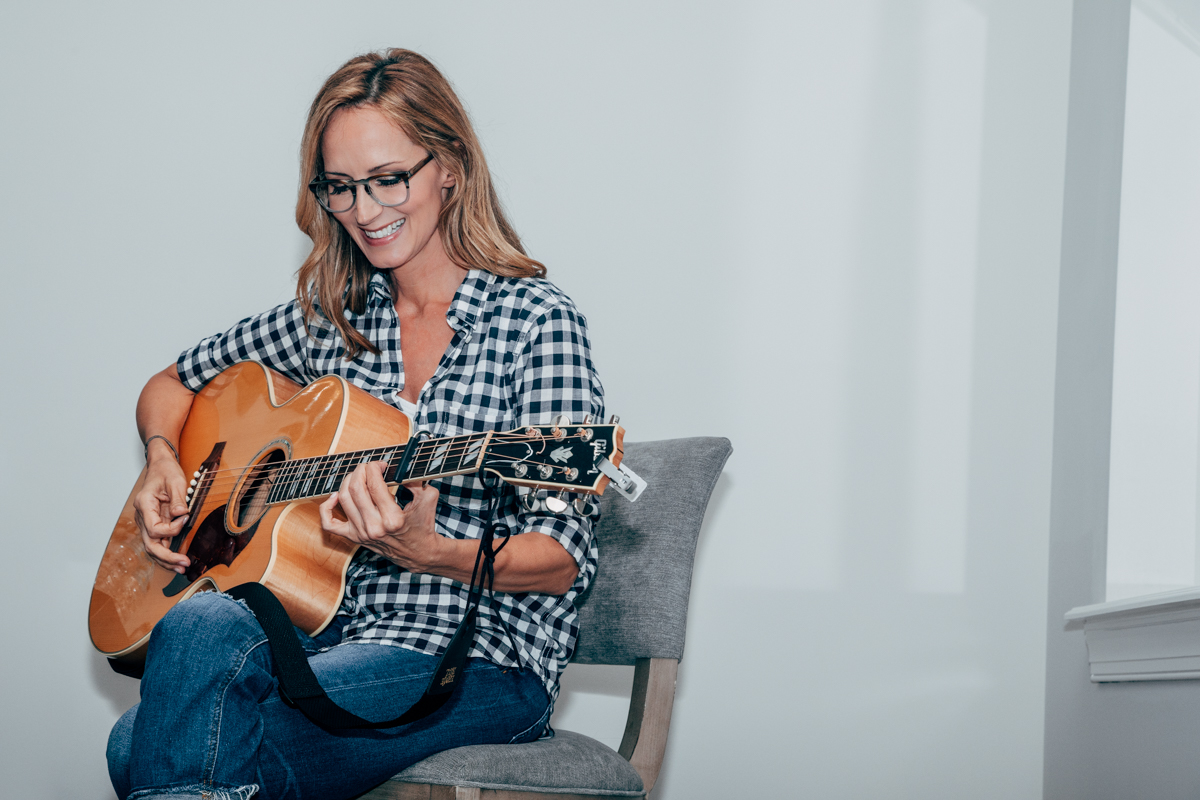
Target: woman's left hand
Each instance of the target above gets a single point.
(375, 520)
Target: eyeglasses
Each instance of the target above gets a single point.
(387, 189)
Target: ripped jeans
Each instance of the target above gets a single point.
(211, 724)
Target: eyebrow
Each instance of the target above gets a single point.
(371, 170)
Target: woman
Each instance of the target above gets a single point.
(418, 291)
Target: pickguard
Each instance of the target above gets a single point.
(212, 545)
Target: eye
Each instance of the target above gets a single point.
(384, 181)
(334, 188)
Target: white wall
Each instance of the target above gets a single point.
(828, 231)
(1152, 501)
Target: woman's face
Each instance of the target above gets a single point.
(360, 142)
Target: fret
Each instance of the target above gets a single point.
(335, 476)
(279, 492)
(470, 453)
(424, 451)
(310, 474)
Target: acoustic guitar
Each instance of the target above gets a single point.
(264, 452)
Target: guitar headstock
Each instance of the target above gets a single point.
(559, 457)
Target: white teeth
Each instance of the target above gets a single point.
(382, 232)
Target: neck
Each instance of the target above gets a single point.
(429, 278)
(304, 478)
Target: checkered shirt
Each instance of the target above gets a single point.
(520, 356)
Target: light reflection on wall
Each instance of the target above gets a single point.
(1156, 371)
(951, 134)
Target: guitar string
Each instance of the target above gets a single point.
(222, 485)
(219, 487)
(331, 462)
(337, 462)
(427, 449)
(318, 477)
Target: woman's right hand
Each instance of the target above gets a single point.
(160, 508)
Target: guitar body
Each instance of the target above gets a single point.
(246, 416)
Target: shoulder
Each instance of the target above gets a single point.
(529, 301)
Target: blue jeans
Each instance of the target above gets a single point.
(211, 723)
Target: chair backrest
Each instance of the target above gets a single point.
(637, 605)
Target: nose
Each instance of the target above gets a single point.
(365, 207)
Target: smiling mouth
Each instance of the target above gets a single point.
(382, 232)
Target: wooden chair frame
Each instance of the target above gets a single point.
(643, 745)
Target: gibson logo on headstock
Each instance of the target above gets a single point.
(561, 455)
(599, 451)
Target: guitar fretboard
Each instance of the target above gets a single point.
(305, 478)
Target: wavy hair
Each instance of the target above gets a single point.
(410, 91)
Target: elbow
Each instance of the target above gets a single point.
(564, 578)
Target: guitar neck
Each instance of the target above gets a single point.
(307, 478)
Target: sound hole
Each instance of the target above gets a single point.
(252, 500)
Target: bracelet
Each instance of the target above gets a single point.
(165, 439)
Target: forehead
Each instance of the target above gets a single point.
(359, 139)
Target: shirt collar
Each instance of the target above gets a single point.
(465, 308)
(468, 302)
(379, 290)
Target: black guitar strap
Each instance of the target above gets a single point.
(299, 688)
(298, 685)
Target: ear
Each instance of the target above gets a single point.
(447, 179)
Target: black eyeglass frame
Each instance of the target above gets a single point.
(316, 183)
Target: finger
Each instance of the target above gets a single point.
(330, 523)
(364, 503)
(346, 500)
(164, 527)
(164, 555)
(177, 496)
(391, 516)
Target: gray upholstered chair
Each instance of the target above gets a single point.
(635, 612)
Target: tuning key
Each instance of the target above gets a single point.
(545, 470)
(531, 503)
(562, 421)
(584, 507)
(614, 419)
(520, 470)
(557, 503)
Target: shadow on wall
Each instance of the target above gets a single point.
(119, 691)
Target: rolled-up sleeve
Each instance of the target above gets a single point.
(553, 375)
(275, 338)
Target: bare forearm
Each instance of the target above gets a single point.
(530, 562)
(162, 409)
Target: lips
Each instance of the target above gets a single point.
(384, 232)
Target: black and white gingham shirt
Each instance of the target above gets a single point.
(520, 356)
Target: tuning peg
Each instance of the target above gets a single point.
(519, 469)
(557, 503)
(531, 503)
(545, 470)
(584, 507)
(614, 419)
(562, 420)
(587, 419)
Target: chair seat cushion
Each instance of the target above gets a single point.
(568, 763)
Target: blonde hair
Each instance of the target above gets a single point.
(410, 91)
